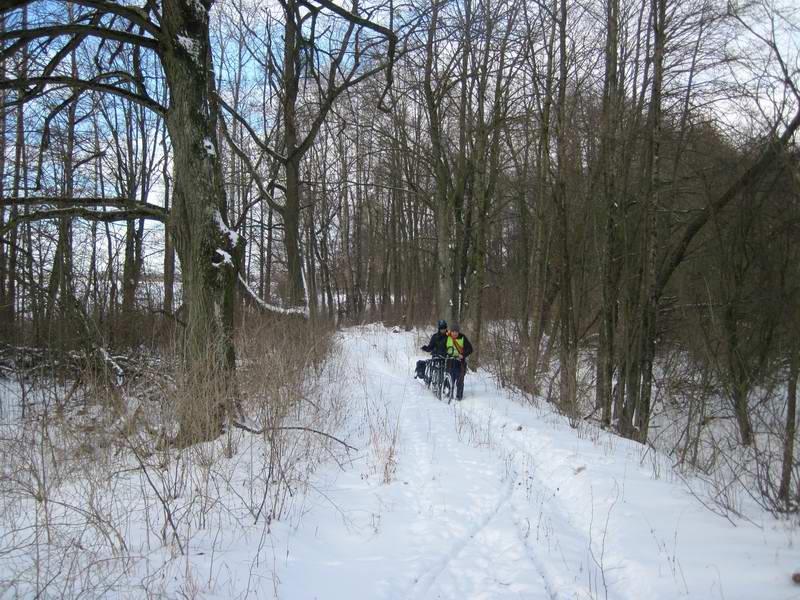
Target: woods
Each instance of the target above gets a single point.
(605, 194)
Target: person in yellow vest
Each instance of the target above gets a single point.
(458, 348)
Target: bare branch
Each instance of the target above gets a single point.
(79, 30)
(246, 125)
(123, 203)
(262, 305)
(751, 176)
(93, 84)
(249, 429)
(390, 36)
(93, 215)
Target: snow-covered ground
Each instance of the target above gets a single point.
(487, 498)
(493, 498)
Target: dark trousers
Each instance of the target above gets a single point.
(457, 369)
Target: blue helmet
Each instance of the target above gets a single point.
(442, 324)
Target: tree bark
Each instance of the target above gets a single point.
(791, 428)
(568, 350)
(209, 252)
(608, 259)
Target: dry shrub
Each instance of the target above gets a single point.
(90, 486)
(62, 535)
(289, 390)
(279, 360)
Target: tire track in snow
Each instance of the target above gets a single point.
(424, 423)
(427, 579)
(562, 529)
(494, 544)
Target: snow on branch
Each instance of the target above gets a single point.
(226, 231)
(298, 310)
(190, 46)
(119, 374)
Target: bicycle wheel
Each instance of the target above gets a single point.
(437, 381)
(447, 387)
(428, 373)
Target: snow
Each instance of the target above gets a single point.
(192, 49)
(225, 257)
(493, 498)
(300, 310)
(199, 9)
(490, 498)
(119, 374)
(209, 146)
(226, 231)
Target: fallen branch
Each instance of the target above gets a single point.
(249, 429)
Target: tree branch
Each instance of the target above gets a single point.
(134, 14)
(93, 84)
(79, 30)
(122, 203)
(82, 212)
(249, 129)
(263, 190)
(751, 176)
(249, 429)
(251, 297)
(390, 36)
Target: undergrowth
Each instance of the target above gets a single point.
(95, 499)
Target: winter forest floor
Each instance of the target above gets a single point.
(492, 497)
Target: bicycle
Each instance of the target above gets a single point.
(438, 376)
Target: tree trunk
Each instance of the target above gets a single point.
(5, 322)
(650, 296)
(291, 210)
(442, 213)
(608, 258)
(209, 252)
(791, 428)
(540, 247)
(568, 350)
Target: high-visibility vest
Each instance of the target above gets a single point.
(454, 348)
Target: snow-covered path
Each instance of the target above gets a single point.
(492, 498)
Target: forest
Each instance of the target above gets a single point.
(604, 193)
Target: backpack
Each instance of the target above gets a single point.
(419, 372)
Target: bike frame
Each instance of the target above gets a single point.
(438, 376)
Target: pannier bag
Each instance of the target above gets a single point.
(419, 372)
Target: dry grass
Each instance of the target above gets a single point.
(95, 499)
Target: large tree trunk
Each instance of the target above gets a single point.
(208, 251)
(291, 210)
(608, 258)
(568, 347)
(442, 213)
(791, 427)
(291, 234)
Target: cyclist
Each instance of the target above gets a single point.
(458, 348)
(438, 344)
(437, 347)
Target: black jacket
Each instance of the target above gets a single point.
(438, 344)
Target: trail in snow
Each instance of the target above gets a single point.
(490, 498)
